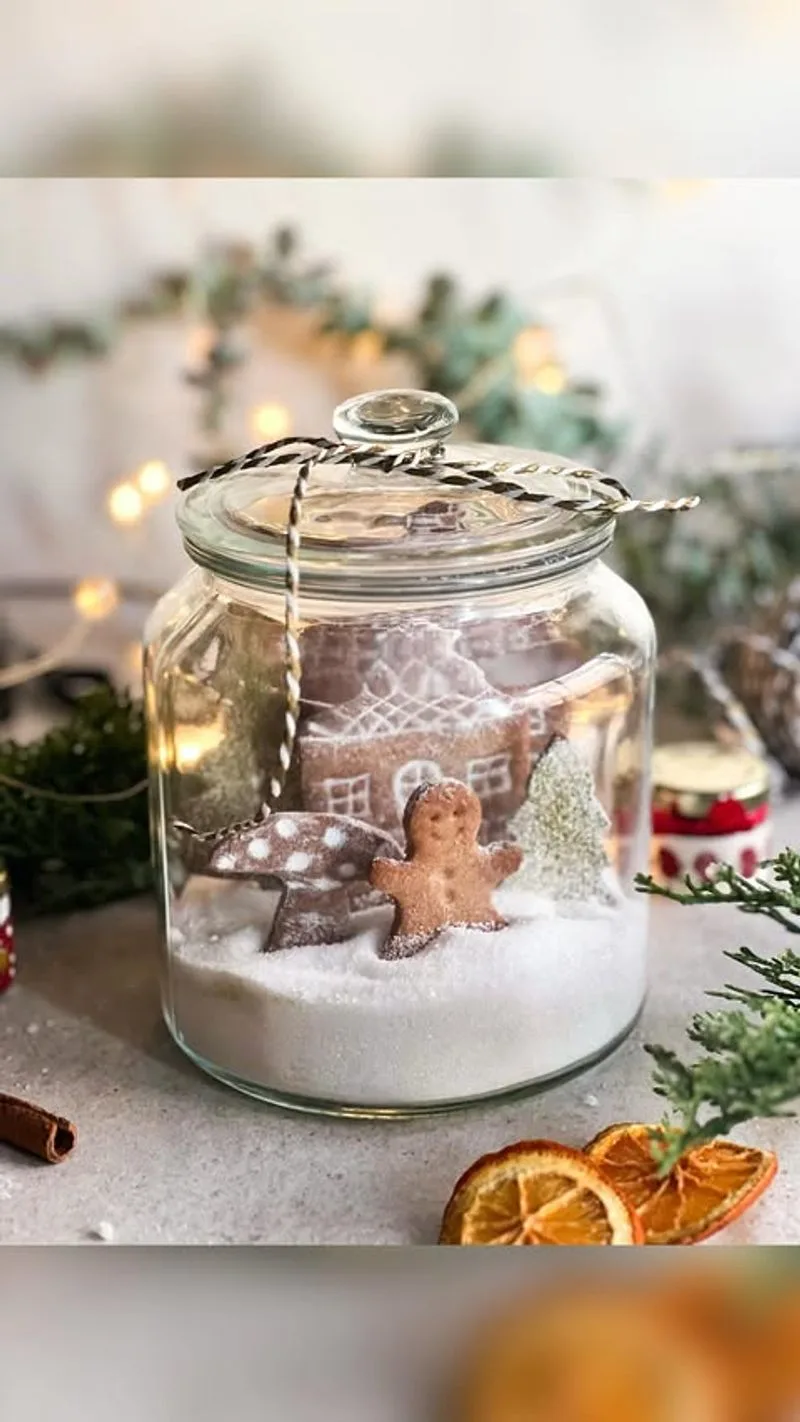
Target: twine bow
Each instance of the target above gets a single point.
(604, 494)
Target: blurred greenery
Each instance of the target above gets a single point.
(250, 125)
(454, 151)
(67, 853)
(703, 573)
(234, 127)
(466, 349)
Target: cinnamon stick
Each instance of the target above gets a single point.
(31, 1128)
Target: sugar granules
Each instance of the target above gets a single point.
(477, 1012)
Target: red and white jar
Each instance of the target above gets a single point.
(710, 806)
(8, 957)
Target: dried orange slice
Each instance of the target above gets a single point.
(537, 1192)
(596, 1355)
(711, 1185)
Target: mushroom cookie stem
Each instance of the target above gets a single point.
(446, 877)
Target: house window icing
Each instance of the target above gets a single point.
(490, 776)
(348, 796)
(411, 775)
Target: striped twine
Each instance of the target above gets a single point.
(606, 494)
(603, 495)
(291, 633)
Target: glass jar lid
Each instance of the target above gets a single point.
(391, 503)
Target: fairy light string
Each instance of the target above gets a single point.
(41, 792)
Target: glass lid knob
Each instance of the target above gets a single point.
(396, 417)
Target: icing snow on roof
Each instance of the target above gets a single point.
(420, 684)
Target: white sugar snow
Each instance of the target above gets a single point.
(476, 1012)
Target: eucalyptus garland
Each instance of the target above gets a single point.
(460, 348)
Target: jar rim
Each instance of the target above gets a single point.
(378, 534)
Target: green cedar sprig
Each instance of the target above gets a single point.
(749, 1065)
(63, 855)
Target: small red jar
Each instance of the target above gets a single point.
(8, 957)
(710, 806)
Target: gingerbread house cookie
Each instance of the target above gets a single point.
(423, 713)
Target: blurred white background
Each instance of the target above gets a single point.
(303, 1335)
(682, 299)
(270, 1335)
(256, 1335)
(352, 87)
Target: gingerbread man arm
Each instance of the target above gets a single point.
(387, 875)
(501, 860)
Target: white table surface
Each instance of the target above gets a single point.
(166, 1155)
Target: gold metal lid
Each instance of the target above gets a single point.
(690, 777)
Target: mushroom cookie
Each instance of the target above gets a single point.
(447, 878)
(320, 865)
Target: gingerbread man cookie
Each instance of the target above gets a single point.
(446, 877)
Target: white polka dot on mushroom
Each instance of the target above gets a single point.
(334, 837)
(297, 862)
(346, 871)
(287, 829)
(259, 850)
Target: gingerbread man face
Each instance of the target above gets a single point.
(447, 877)
(441, 820)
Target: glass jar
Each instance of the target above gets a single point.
(437, 907)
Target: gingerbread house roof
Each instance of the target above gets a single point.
(419, 684)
